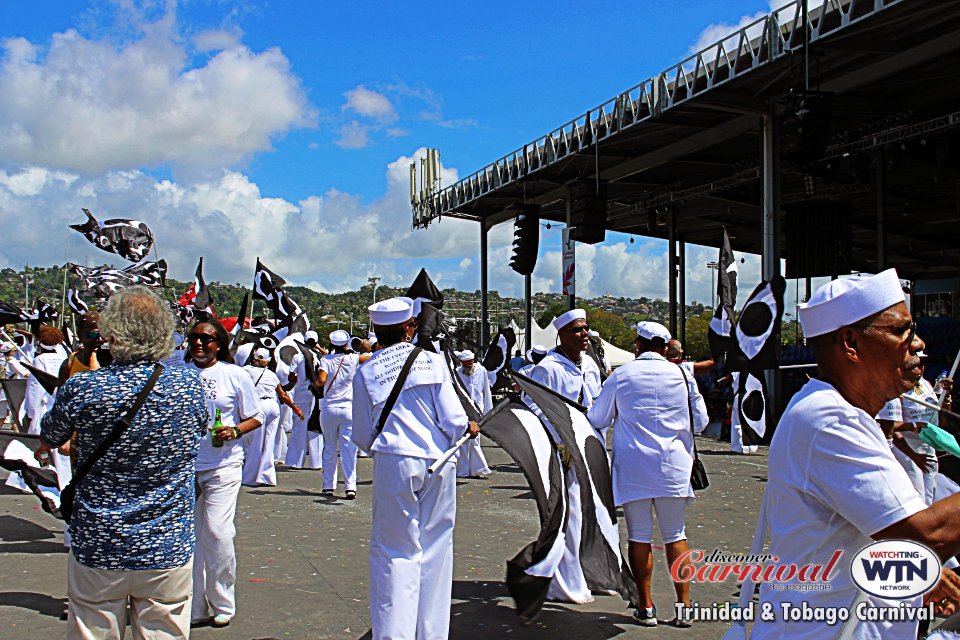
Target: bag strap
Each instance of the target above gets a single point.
(330, 382)
(120, 426)
(397, 387)
(693, 434)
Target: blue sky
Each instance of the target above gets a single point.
(284, 129)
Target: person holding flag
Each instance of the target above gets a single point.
(470, 461)
(406, 410)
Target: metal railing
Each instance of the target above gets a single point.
(751, 47)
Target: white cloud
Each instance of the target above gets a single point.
(217, 39)
(88, 106)
(369, 103)
(353, 135)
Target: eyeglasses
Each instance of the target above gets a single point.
(584, 328)
(93, 335)
(909, 329)
(202, 338)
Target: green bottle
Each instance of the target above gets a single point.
(217, 424)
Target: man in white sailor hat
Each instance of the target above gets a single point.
(565, 370)
(336, 376)
(411, 541)
(533, 357)
(471, 463)
(833, 483)
(305, 448)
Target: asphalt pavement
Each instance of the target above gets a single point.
(302, 569)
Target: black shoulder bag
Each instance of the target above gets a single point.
(397, 388)
(698, 475)
(69, 493)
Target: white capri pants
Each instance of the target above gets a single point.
(214, 558)
(670, 516)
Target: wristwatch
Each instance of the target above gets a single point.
(237, 433)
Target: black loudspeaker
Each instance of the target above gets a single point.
(588, 210)
(817, 239)
(805, 127)
(526, 239)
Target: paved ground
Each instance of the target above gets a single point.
(302, 559)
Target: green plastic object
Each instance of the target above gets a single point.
(939, 439)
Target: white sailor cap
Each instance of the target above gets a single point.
(339, 338)
(372, 337)
(537, 349)
(652, 330)
(466, 356)
(311, 335)
(391, 311)
(261, 354)
(563, 320)
(7, 347)
(843, 302)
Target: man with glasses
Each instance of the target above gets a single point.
(565, 370)
(833, 483)
(91, 355)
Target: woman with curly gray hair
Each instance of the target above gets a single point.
(132, 528)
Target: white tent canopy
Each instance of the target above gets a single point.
(548, 338)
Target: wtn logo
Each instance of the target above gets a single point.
(902, 570)
(897, 569)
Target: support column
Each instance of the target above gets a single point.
(682, 275)
(672, 272)
(881, 213)
(572, 298)
(770, 174)
(484, 303)
(528, 312)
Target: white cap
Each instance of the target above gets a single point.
(466, 356)
(261, 354)
(311, 335)
(372, 337)
(574, 314)
(6, 347)
(539, 349)
(843, 302)
(339, 338)
(652, 330)
(391, 311)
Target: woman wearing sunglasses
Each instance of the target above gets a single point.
(231, 395)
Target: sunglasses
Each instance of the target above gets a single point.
(93, 335)
(202, 338)
(581, 329)
(909, 329)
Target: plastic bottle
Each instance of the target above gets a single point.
(217, 424)
(938, 385)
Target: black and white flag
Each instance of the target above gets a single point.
(77, 305)
(496, 358)
(11, 314)
(720, 331)
(268, 286)
(130, 239)
(515, 428)
(104, 281)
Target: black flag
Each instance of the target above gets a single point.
(757, 333)
(105, 281)
(201, 294)
(48, 381)
(721, 326)
(10, 314)
(424, 289)
(130, 239)
(268, 286)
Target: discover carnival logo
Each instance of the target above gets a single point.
(895, 569)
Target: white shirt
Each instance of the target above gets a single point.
(264, 380)
(701, 417)
(893, 411)
(832, 483)
(301, 390)
(913, 412)
(340, 369)
(12, 369)
(580, 384)
(426, 419)
(37, 400)
(646, 400)
(229, 388)
(478, 386)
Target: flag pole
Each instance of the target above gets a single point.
(16, 346)
(953, 371)
(928, 405)
(449, 453)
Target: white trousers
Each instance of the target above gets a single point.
(411, 548)
(670, 519)
(259, 446)
(568, 584)
(304, 443)
(470, 460)
(736, 439)
(337, 421)
(215, 561)
(283, 433)
(159, 602)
